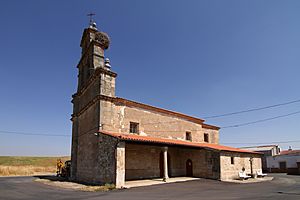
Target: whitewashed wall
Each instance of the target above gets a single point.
(291, 161)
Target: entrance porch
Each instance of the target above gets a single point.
(164, 163)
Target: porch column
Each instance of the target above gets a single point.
(251, 166)
(166, 177)
(120, 165)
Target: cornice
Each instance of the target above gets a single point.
(92, 102)
(95, 75)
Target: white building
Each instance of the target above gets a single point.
(266, 150)
(287, 162)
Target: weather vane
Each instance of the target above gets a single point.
(90, 15)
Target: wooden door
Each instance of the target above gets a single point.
(189, 168)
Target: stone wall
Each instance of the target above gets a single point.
(74, 149)
(97, 159)
(117, 118)
(107, 85)
(86, 95)
(213, 135)
(241, 160)
(143, 161)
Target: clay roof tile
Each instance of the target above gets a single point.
(147, 139)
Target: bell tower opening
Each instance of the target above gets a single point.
(93, 44)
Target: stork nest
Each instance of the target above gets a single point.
(103, 39)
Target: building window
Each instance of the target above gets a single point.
(188, 136)
(206, 137)
(134, 127)
(282, 165)
(232, 160)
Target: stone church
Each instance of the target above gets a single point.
(116, 139)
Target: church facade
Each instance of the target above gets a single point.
(115, 139)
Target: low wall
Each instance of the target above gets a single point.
(293, 171)
(241, 160)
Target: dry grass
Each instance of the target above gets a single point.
(26, 166)
(25, 170)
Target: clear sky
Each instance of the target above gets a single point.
(197, 57)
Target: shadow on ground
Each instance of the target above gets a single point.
(52, 178)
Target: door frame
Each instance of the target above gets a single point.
(189, 168)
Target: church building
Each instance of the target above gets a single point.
(115, 139)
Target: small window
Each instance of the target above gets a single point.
(134, 127)
(282, 165)
(232, 160)
(188, 136)
(206, 137)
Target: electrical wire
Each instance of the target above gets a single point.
(236, 125)
(44, 134)
(224, 127)
(232, 113)
(258, 143)
(34, 134)
(260, 121)
(252, 110)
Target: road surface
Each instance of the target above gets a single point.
(281, 187)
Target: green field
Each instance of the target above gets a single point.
(23, 165)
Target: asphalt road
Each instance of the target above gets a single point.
(283, 187)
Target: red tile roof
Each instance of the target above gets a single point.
(139, 138)
(288, 152)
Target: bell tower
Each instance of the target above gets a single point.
(93, 44)
(96, 81)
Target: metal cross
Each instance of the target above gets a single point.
(91, 17)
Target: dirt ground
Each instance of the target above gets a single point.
(63, 183)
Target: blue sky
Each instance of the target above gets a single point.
(197, 57)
